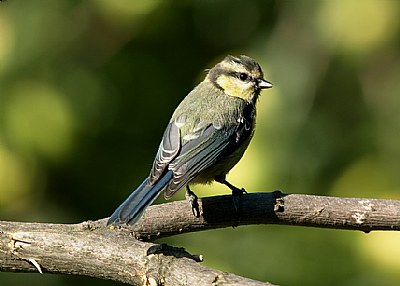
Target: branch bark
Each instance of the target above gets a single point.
(91, 249)
(82, 249)
(269, 208)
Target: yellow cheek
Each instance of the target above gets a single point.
(233, 88)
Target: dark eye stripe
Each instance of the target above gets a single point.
(240, 75)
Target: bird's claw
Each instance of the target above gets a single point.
(236, 197)
(193, 201)
(238, 192)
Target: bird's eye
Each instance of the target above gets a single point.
(243, 76)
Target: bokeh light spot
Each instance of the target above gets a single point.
(357, 26)
(14, 179)
(37, 119)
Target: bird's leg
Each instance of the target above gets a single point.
(194, 204)
(236, 192)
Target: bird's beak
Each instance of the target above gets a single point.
(262, 83)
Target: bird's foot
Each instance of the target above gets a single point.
(237, 203)
(236, 194)
(237, 197)
(193, 201)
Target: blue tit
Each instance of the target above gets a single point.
(207, 135)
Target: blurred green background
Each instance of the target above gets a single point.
(87, 88)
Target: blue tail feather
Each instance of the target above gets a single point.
(134, 206)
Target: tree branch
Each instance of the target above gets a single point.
(91, 249)
(80, 249)
(269, 208)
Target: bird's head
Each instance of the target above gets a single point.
(239, 77)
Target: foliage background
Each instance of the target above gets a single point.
(87, 88)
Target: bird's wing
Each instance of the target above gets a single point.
(187, 155)
(167, 151)
(203, 148)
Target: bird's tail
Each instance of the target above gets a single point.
(134, 206)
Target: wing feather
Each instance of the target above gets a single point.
(187, 154)
(167, 151)
(197, 155)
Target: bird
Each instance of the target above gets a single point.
(205, 138)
